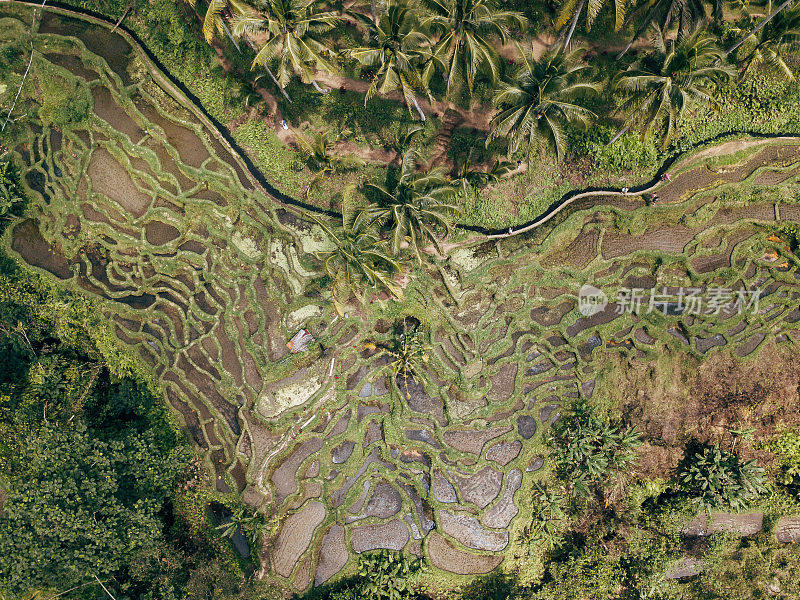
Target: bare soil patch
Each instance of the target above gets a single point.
(674, 401)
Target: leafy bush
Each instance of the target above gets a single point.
(787, 450)
(629, 152)
(64, 102)
(9, 186)
(716, 478)
(590, 449)
(409, 351)
(387, 575)
(103, 496)
(549, 517)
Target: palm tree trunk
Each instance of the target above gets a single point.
(642, 28)
(228, 32)
(763, 22)
(620, 132)
(19, 91)
(27, 70)
(277, 83)
(416, 105)
(268, 70)
(573, 24)
(318, 88)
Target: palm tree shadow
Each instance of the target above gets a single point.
(494, 586)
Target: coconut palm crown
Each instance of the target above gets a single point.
(399, 49)
(413, 205)
(358, 258)
(543, 95)
(294, 32)
(767, 48)
(678, 75)
(465, 29)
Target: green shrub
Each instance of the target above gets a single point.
(590, 449)
(629, 152)
(716, 478)
(549, 517)
(786, 447)
(387, 575)
(64, 101)
(9, 186)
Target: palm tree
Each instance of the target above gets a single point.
(686, 15)
(465, 29)
(573, 9)
(414, 205)
(541, 97)
(357, 257)
(293, 29)
(214, 22)
(675, 77)
(400, 51)
(216, 13)
(320, 158)
(469, 178)
(766, 48)
(783, 5)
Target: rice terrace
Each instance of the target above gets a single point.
(505, 402)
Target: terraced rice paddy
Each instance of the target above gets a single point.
(206, 278)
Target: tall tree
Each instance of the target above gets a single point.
(357, 257)
(573, 9)
(214, 22)
(466, 29)
(216, 15)
(400, 50)
(469, 177)
(678, 75)
(782, 6)
(685, 15)
(413, 204)
(768, 47)
(319, 155)
(542, 96)
(81, 508)
(294, 31)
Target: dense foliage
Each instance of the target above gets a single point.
(591, 450)
(717, 478)
(99, 483)
(787, 450)
(382, 575)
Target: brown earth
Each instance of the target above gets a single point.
(674, 401)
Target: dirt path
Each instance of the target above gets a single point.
(478, 118)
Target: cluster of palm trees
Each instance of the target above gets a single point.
(397, 40)
(407, 42)
(409, 211)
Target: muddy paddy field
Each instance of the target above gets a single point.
(144, 206)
